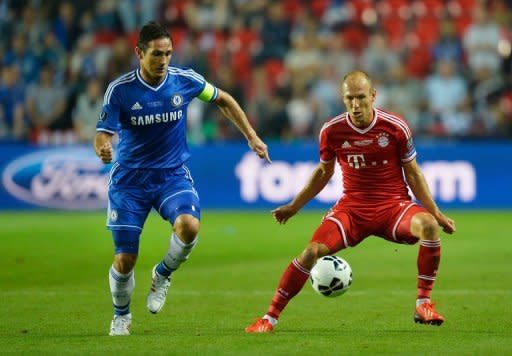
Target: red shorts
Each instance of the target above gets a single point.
(349, 222)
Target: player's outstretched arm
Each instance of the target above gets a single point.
(317, 181)
(103, 146)
(419, 187)
(232, 110)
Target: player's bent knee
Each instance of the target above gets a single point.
(313, 252)
(186, 227)
(424, 226)
(124, 262)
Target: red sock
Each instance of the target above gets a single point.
(428, 261)
(291, 283)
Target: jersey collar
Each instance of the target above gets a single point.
(366, 129)
(143, 82)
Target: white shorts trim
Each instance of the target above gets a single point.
(340, 226)
(400, 219)
(130, 226)
(172, 195)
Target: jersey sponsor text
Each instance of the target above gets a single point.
(156, 118)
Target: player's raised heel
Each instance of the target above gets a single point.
(259, 326)
(120, 325)
(425, 314)
(158, 292)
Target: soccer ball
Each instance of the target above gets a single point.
(331, 276)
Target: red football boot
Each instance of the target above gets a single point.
(425, 314)
(259, 326)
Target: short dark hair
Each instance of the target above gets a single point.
(149, 32)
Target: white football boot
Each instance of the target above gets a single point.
(158, 292)
(121, 325)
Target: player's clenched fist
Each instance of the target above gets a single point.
(106, 152)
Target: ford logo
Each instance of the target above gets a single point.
(74, 179)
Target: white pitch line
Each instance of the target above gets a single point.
(237, 293)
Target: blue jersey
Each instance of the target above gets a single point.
(151, 121)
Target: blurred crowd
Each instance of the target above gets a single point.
(444, 65)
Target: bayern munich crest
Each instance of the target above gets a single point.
(176, 100)
(383, 139)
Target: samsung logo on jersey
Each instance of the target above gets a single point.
(72, 180)
(143, 120)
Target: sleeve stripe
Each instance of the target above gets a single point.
(186, 73)
(191, 72)
(332, 122)
(410, 157)
(397, 122)
(105, 130)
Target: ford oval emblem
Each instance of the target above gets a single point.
(71, 179)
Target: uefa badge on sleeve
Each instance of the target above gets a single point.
(113, 215)
(103, 116)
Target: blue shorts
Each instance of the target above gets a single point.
(133, 192)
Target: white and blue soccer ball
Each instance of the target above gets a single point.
(331, 276)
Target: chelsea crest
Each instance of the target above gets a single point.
(176, 100)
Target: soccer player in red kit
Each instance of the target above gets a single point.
(375, 151)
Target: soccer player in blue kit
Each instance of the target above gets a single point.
(148, 108)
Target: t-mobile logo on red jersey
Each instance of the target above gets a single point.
(356, 161)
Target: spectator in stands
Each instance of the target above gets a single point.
(449, 43)
(189, 54)
(227, 82)
(105, 18)
(405, 97)
(261, 104)
(22, 57)
(481, 41)
(338, 13)
(53, 52)
(65, 25)
(304, 58)
(448, 97)
(325, 98)
(12, 122)
(251, 35)
(82, 64)
(276, 123)
(118, 62)
(87, 110)
(300, 111)
(503, 112)
(6, 25)
(46, 103)
(207, 14)
(377, 59)
(337, 54)
(250, 10)
(32, 26)
(485, 92)
(275, 33)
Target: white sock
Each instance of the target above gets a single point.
(121, 288)
(421, 301)
(272, 321)
(177, 254)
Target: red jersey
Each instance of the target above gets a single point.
(370, 158)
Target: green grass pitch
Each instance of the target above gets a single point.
(54, 295)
